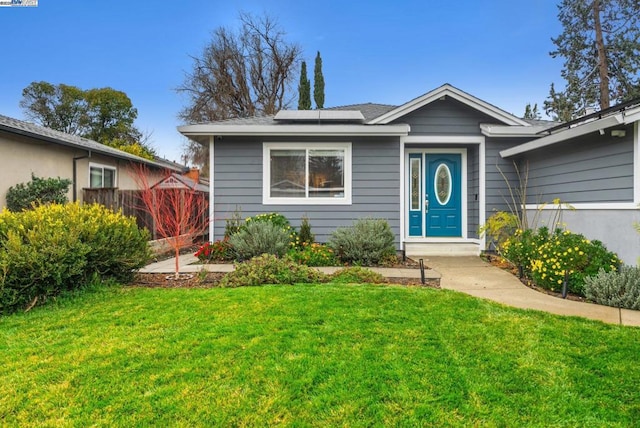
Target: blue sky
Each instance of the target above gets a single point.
(373, 51)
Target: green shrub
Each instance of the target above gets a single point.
(260, 237)
(269, 269)
(277, 220)
(118, 246)
(571, 253)
(357, 275)
(620, 289)
(37, 192)
(219, 251)
(523, 247)
(233, 224)
(313, 255)
(54, 248)
(305, 235)
(366, 243)
(499, 227)
(547, 257)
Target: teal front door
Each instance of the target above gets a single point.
(435, 195)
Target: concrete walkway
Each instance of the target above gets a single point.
(470, 275)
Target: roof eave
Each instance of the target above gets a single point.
(503, 131)
(124, 156)
(587, 128)
(204, 130)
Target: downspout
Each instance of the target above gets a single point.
(75, 174)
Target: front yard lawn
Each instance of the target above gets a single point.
(315, 355)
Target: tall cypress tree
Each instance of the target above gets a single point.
(304, 89)
(318, 83)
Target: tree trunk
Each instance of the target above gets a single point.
(603, 67)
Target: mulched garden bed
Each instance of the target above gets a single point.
(211, 279)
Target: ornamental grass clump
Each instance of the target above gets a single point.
(269, 269)
(55, 248)
(620, 289)
(366, 243)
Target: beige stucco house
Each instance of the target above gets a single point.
(27, 149)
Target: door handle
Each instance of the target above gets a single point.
(426, 204)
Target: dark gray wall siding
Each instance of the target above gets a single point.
(375, 184)
(595, 168)
(498, 196)
(446, 117)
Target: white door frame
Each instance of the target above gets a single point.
(436, 141)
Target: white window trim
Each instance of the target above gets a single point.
(266, 173)
(103, 167)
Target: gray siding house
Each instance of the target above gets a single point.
(434, 167)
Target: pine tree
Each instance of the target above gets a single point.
(304, 89)
(599, 44)
(532, 113)
(318, 83)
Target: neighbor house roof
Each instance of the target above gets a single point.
(179, 181)
(19, 127)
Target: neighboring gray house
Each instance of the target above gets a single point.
(432, 167)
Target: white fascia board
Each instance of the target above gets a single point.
(444, 139)
(294, 130)
(511, 131)
(567, 134)
(631, 116)
(456, 94)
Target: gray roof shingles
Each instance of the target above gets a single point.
(16, 126)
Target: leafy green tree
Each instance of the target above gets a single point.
(60, 107)
(38, 191)
(304, 89)
(318, 83)
(600, 44)
(104, 115)
(532, 113)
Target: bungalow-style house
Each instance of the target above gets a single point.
(30, 149)
(434, 167)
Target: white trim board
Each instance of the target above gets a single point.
(443, 91)
(293, 130)
(577, 131)
(585, 206)
(266, 173)
(443, 139)
(212, 187)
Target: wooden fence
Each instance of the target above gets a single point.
(130, 202)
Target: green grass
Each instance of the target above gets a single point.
(311, 356)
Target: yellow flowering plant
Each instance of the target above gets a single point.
(570, 254)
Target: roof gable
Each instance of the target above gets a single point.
(447, 90)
